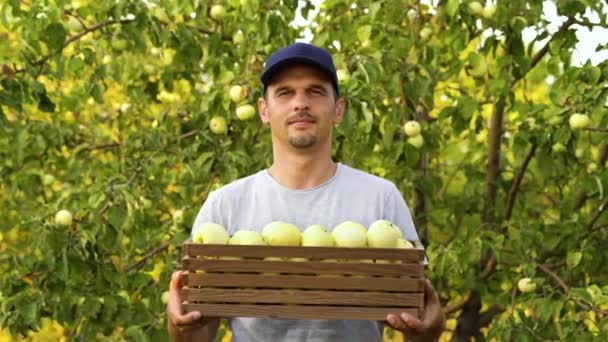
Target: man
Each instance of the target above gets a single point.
(304, 186)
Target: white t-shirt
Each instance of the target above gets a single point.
(350, 195)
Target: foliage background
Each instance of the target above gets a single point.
(104, 110)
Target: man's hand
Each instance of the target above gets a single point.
(182, 327)
(433, 321)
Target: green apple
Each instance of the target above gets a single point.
(526, 285)
(426, 33)
(317, 236)
(578, 120)
(74, 25)
(245, 112)
(592, 167)
(247, 237)
(218, 12)
(411, 128)
(343, 75)
(417, 141)
(48, 179)
(518, 23)
(489, 11)
(279, 233)
(237, 93)
(383, 234)
(218, 125)
(210, 233)
(476, 8)
(558, 147)
(403, 243)
(119, 44)
(178, 216)
(238, 38)
(350, 234)
(63, 217)
(412, 14)
(164, 298)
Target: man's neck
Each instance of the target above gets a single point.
(302, 171)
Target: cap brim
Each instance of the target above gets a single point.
(268, 73)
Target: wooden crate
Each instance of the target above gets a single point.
(339, 283)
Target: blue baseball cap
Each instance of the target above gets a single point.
(300, 53)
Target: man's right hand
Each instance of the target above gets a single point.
(183, 327)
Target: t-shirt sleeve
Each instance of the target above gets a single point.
(207, 213)
(399, 213)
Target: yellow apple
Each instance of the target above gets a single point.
(343, 75)
(210, 233)
(411, 128)
(578, 120)
(63, 217)
(318, 236)
(247, 237)
(279, 233)
(350, 234)
(218, 12)
(526, 285)
(164, 298)
(426, 33)
(245, 112)
(74, 25)
(489, 11)
(178, 216)
(403, 243)
(237, 93)
(238, 38)
(218, 125)
(476, 8)
(383, 234)
(417, 141)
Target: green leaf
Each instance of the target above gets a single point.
(364, 32)
(136, 334)
(54, 36)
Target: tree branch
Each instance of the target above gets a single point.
(596, 216)
(517, 182)
(146, 256)
(596, 129)
(543, 51)
(566, 289)
(76, 37)
(493, 166)
(458, 305)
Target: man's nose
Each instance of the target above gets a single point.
(301, 102)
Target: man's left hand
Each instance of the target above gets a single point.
(433, 320)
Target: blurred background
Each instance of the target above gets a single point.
(116, 120)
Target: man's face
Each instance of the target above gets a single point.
(300, 107)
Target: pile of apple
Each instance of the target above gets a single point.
(381, 234)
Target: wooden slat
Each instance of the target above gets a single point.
(298, 311)
(405, 254)
(303, 267)
(349, 298)
(304, 282)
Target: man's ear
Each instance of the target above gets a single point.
(263, 109)
(339, 112)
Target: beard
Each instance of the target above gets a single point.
(302, 141)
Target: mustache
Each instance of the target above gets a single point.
(301, 116)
